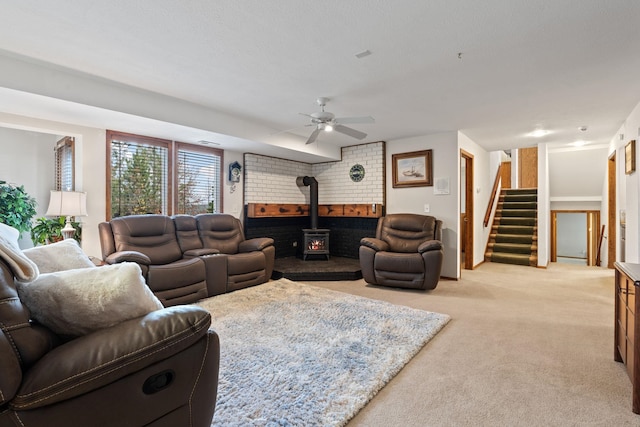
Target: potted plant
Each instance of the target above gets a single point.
(49, 230)
(16, 207)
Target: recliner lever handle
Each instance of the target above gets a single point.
(158, 382)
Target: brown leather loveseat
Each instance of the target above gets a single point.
(158, 370)
(186, 258)
(406, 252)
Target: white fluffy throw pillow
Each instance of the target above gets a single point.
(77, 302)
(62, 255)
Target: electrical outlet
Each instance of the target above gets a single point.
(427, 208)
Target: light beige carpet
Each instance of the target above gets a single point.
(299, 355)
(525, 347)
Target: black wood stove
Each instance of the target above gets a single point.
(316, 240)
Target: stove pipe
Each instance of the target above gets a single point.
(313, 197)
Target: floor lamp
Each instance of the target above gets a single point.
(67, 203)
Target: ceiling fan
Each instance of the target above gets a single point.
(326, 121)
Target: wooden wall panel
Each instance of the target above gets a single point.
(528, 167)
(505, 175)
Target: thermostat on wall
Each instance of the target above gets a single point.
(442, 186)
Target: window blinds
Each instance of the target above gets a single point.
(198, 181)
(139, 177)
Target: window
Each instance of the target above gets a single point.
(198, 176)
(142, 172)
(64, 168)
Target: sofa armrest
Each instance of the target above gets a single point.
(128, 256)
(375, 244)
(102, 357)
(255, 244)
(430, 245)
(200, 252)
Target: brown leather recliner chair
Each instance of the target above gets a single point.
(249, 261)
(150, 241)
(406, 252)
(158, 370)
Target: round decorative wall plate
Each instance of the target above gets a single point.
(356, 173)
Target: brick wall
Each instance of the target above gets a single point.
(335, 186)
(273, 180)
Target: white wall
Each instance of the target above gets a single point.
(446, 164)
(585, 179)
(576, 177)
(90, 169)
(627, 186)
(36, 175)
(572, 234)
(515, 169)
(232, 192)
(544, 206)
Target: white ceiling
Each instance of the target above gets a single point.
(494, 69)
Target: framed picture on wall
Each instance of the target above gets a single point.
(414, 169)
(630, 157)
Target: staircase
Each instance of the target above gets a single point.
(514, 234)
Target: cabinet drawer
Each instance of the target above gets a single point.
(622, 312)
(629, 359)
(621, 342)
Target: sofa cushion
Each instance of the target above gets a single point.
(177, 274)
(220, 231)
(399, 262)
(153, 235)
(405, 232)
(187, 233)
(59, 256)
(77, 302)
(245, 263)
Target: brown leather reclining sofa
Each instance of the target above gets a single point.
(158, 370)
(186, 258)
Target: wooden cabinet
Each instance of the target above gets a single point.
(627, 341)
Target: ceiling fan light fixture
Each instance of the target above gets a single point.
(327, 122)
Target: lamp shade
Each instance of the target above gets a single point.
(67, 203)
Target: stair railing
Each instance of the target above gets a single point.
(492, 199)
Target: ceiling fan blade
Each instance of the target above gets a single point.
(313, 136)
(348, 120)
(351, 132)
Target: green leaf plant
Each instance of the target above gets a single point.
(16, 206)
(49, 230)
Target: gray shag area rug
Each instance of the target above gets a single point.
(298, 355)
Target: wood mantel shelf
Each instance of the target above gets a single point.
(351, 211)
(270, 210)
(265, 210)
